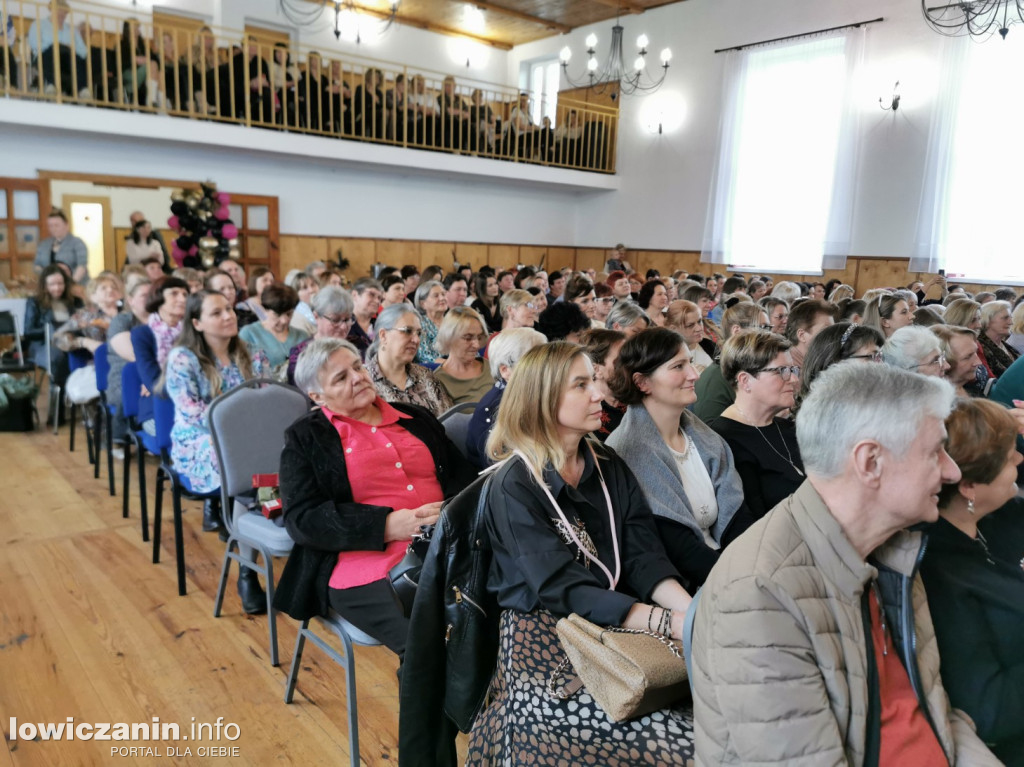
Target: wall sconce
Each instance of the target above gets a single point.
(894, 102)
(663, 113)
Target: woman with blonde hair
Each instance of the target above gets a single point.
(463, 374)
(570, 533)
(996, 324)
(964, 313)
(839, 292)
(684, 317)
(887, 313)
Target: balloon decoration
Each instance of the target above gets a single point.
(206, 234)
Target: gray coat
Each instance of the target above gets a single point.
(640, 445)
(72, 252)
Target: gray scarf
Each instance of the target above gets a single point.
(639, 444)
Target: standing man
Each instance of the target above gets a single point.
(62, 246)
(812, 642)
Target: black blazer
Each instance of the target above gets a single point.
(319, 512)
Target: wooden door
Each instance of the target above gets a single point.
(259, 234)
(24, 204)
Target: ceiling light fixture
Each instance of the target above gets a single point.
(630, 80)
(977, 18)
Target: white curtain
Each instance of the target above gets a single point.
(968, 220)
(783, 188)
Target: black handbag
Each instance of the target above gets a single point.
(405, 575)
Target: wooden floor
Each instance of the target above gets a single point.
(91, 629)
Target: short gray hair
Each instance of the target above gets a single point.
(851, 402)
(910, 346)
(313, 358)
(452, 324)
(423, 291)
(787, 291)
(509, 345)
(991, 309)
(626, 314)
(313, 266)
(388, 319)
(332, 300)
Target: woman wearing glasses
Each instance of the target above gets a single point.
(518, 310)
(332, 313)
(389, 361)
(465, 376)
(842, 341)
(915, 349)
(760, 369)
(684, 469)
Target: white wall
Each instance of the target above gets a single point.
(665, 179)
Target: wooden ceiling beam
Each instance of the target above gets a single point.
(622, 5)
(512, 13)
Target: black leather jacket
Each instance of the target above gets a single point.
(449, 663)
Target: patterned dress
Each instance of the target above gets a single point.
(421, 388)
(191, 444)
(427, 354)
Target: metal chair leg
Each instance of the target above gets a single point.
(224, 570)
(126, 476)
(179, 538)
(96, 442)
(351, 703)
(108, 427)
(71, 423)
(143, 500)
(293, 672)
(275, 659)
(157, 512)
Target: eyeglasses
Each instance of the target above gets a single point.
(408, 331)
(939, 361)
(337, 319)
(470, 338)
(874, 357)
(785, 372)
(605, 300)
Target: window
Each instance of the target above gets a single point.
(542, 80)
(782, 192)
(970, 203)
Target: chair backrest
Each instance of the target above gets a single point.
(163, 418)
(78, 359)
(9, 327)
(462, 407)
(691, 616)
(248, 425)
(131, 390)
(102, 363)
(456, 426)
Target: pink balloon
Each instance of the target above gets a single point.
(229, 231)
(173, 223)
(193, 250)
(224, 198)
(222, 213)
(178, 255)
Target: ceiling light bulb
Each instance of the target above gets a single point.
(592, 65)
(666, 56)
(565, 54)
(638, 65)
(591, 40)
(641, 42)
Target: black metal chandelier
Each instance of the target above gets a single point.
(615, 72)
(307, 14)
(977, 18)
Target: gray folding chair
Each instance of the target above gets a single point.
(456, 424)
(248, 424)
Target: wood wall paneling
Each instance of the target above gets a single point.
(501, 256)
(361, 254)
(439, 253)
(474, 253)
(591, 258)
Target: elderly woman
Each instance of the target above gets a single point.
(517, 310)
(207, 360)
(306, 287)
(760, 370)
(463, 374)
(332, 313)
(628, 318)
(505, 351)
(836, 343)
(684, 317)
(367, 294)
(393, 291)
(960, 348)
(274, 335)
(1016, 339)
(915, 349)
(570, 533)
(653, 299)
(888, 313)
(684, 469)
(359, 478)
(603, 347)
(119, 339)
(975, 585)
(389, 361)
(432, 302)
(996, 324)
(87, 328)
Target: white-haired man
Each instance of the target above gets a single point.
(813, 643)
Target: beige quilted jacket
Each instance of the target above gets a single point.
(779, 656)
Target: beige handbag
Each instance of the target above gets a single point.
(629, 672)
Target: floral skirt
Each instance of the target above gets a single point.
(524, 724)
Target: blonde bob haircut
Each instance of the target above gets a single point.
(991, 309)
(512, 299)
(458, 320)
(528, 416)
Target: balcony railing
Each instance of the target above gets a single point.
(188, 70)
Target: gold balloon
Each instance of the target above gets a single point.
(208, 260)
(233, 243)
(203, 213)
(208, 243)
(178, 195)
(235, 253)
(192, 202)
